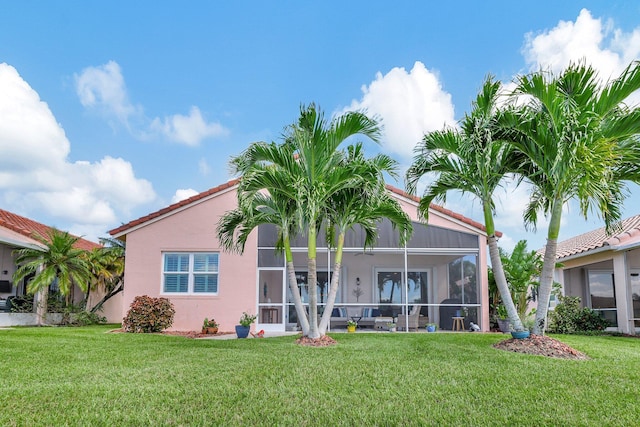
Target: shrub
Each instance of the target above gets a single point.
(568, 317)
(147, 314)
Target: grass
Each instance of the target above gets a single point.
(83, 376)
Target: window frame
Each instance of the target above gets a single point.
(190, 273)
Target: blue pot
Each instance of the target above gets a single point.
(431, 328)
(519, 335)
(242, 331)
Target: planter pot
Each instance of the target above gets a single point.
(351, 328)
(211, 331)
(393, 329)
(519, 335)
(431, 328)
(503, 324)
(242, 331)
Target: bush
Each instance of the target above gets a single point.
(147, 314)
(568, 317)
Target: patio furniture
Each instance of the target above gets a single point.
(458, 323)
(411, 321)
(381, 323)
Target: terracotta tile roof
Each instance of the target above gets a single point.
(28, 227)
(229, 184)
(440, 209)
(598, 238)
(163, 211)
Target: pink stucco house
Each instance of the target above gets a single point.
(174, 253)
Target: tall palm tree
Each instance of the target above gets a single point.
(581, 142)
(58, 261)
(364, 206)
(302, 177)
(473, 161)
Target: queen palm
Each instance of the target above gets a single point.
(302, 176)
(581, 143)
(57, 261)
(470, 160)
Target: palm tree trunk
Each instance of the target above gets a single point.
(313, 281)
(498, 271)
(41, 305)
(333, 290)
(293, 287)
(549, 264)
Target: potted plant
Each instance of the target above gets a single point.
(242, 330)
(351, 325)
(392, 326)
(431, 327)
(503, 319)
(210, 326)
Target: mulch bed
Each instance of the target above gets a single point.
(541, 346)
(323, 341)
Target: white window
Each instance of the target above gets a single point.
(190, 273)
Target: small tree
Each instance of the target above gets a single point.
(57, 261)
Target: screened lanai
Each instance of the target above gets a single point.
(435, 272)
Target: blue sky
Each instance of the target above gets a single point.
(112, 110)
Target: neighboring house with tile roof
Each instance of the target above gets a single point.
(18, 232)
(604, 271)
(174, 253)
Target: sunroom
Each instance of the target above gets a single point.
(437, 272)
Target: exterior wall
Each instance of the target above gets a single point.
(620, 262)
(192, 230)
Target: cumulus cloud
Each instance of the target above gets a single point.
(606, 48)
(36, 173)
(409, 104)
(103, 88)
(183, 194)
(189, 130)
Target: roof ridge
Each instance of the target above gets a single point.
(235, 181)
(30, 228)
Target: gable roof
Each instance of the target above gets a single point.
(28, 228)
(599, 238)
(119, 231)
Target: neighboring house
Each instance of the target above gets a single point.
(604, 271)
(174, 253)
(16, 232)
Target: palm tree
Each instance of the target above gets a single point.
(364, 206)
(293, 184)
(107, 268)
(58, 261)
(522, 268)
(470, 160)
(581, 142)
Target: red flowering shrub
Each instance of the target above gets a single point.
(147, 314)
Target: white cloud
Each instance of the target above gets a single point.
(182, 194)
(37, 175)
(607, 49)
(409, 104)
(103, 88)
(188, 130)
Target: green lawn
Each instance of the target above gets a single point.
(83, 376)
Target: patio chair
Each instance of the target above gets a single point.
(412, 322)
